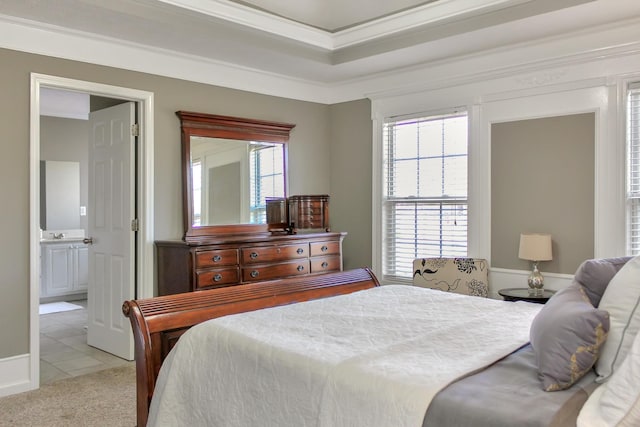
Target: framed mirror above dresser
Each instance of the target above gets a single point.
(230, 167)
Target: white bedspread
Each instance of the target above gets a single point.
(373, 358)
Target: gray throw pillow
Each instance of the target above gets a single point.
(566, 337)
(595, 274)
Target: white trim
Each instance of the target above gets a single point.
(376, 196)
(87, 47)
(259, 20)
(613, 43)
(622, 97)
(144, 197)
(479, 198)
(571, 88)
(430, 13)
(16, 375)
(609, 156)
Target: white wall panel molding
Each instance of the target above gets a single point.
(595, 87)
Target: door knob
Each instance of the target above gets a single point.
(88, 240)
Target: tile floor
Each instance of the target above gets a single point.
(64, 351)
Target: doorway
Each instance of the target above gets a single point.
(143, 179)
(68, 347)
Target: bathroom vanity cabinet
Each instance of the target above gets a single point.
(65, 268)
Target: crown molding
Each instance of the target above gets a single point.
(58, 42)
(618, 39)
(428, 14)
(257, 19)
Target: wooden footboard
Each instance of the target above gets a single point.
(157, 323)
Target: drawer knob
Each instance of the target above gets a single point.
(253, 255)
(217, 277)
(254, 273)
(325, 264)
(300, 250)
(217, 258)
(324, 248)
(300, 267)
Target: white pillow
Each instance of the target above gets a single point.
(621, 299)
(616, 402)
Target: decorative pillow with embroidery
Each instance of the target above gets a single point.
(566, 337)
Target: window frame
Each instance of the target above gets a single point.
(632, 158)
(257, 193)
(387, 203)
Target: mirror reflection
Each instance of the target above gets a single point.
(232, 178)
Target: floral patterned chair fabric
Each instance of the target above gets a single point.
(468, 276)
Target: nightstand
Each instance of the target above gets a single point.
(522, 294)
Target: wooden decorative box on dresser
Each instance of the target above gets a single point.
(233, 259)
(309, 212)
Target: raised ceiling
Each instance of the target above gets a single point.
(316, 43)
(334, 15)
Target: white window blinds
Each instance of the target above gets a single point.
(425, 191)
(633, 169)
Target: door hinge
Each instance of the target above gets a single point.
(135, 130)
(135, 225)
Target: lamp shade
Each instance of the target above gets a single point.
(535, 247)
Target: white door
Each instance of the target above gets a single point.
(111, 210)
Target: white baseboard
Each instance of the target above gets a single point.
(15, 375)
(500, 278)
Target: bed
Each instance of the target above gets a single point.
(321, 351)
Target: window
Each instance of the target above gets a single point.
(633, 170)
(425, 191)
(196, 178)
(266, 178)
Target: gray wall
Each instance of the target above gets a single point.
(351, 168)
(310, 172)
(542, 180)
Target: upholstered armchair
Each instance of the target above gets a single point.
(468, 276)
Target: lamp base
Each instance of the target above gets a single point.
(536, 281)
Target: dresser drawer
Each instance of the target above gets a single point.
(325, 264)
(310, 221)
(274, 253)
(219, 277)
(275, 271)
(325, 248)
(216, 258)
(311, 209)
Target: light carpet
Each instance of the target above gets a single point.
(106, 399)
(56, 307)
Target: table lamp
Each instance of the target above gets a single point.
(535, 247)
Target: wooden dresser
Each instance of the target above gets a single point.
(244, 258)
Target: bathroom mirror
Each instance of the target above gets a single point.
(59, 195)
(230, 165)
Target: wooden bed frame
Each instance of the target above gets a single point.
(157, 323)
